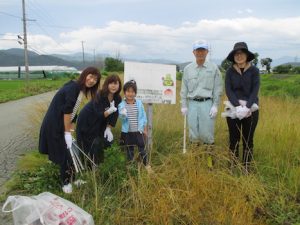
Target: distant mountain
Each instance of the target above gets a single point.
(78, 56)
(15, 57)
(294, 64)
(162, 61)
(282, 60)
(275, 62)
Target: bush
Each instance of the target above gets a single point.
(179, 75)
(113, 65)
(104, 73)
(35, 175)
(282, 69)
(114, 166)
(296, 69)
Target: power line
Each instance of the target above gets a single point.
(39, 9)
(8, 34)
(47, 19)
(58, 44)
(11, 15)
(6, 39)
(39, 52)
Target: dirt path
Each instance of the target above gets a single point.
(15, 136)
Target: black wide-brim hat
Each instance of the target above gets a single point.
(243, 47)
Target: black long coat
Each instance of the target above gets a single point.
(52, 140)
(91, 122)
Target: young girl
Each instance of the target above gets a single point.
(55, 134)
(134, 122)
(97, 118)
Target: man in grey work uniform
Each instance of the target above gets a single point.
(200, 93)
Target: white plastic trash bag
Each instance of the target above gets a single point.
(24, 210)
(46, 209)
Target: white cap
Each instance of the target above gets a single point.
(200, 44)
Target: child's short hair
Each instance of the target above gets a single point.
(130, 84)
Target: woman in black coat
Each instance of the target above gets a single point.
(242, 85)
(96, 119)
(55, 134)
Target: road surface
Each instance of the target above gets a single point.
(16, 124)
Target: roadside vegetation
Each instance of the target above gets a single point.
(14, 89)
(183, 190)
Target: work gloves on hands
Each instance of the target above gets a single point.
(184, 111)
(242, 112)
(123, 112)
(112, 108)
(242, 102)
(213, 112)
(68, 139)
(108, 134)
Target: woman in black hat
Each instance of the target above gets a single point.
(242, 86)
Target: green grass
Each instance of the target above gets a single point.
(16, 89)
(281, 85)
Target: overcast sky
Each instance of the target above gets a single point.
(154, 29)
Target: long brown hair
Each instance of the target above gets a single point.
(110, 79)
(81, 81)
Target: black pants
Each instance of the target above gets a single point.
(94, 147)
(67, 172)
(132, 139)
(246, 127)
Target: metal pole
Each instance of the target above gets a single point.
(150, 123)
(82, 52)
(94, 57)
(25, 41)
(184, 135)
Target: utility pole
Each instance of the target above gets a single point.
(94, 57)
(82, 52)
(25, 41)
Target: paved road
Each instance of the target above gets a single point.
(16, 135)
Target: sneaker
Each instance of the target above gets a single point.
(79, 182)
(149, 169)
(67, 188)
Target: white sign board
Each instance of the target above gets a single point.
(156, 83)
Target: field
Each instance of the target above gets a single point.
(285, 85)
(16, 89)
(183, 189)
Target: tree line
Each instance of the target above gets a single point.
(117, 65)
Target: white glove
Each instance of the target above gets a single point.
(242, 112)
(248, 111)
(68, 139)
(213, 111)
(123, 112)
(108, 134)
(184, 111)
(112, 108)
(254, 107)
(242, 102)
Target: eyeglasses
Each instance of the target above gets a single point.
(239, 53)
